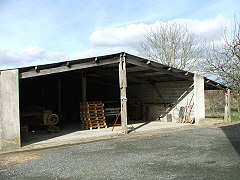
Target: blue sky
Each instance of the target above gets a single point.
(44, 31)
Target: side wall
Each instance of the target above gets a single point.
(168, 93)
(9, 110)
(187, 103)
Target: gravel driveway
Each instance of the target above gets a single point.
(203, 152)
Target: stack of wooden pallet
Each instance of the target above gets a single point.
(92, 115)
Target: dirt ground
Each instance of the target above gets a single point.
(207, 151)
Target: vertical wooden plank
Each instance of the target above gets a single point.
(123, 92)
(84, 86)
(227, 115)
(229, 105)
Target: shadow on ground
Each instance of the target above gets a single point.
(41, 134)
(233, 134)
(135, 128)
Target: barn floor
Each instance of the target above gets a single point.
(187, 152)
(67, 137)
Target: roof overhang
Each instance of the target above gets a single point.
(140, 70)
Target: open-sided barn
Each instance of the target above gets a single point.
(129, 86)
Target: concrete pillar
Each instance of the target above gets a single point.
(227, 115)
(123, 93)
(9, 110)
(84, 86)
(199, 101)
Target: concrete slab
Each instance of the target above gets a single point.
(85, 136)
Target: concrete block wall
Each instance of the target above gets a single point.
(170, 93)
(155, 111)
(185, 102)
(9, 110)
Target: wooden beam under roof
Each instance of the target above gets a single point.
(66, 68)
(150, 66)
(217, 86)
(142, 72)
(101, 71)
(153, 75)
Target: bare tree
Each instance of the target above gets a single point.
(224, 61)
(214, 101)
(172, 44)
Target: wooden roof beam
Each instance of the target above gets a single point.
(66, 68)
(218, 86)
(114, 74)
(149, 66)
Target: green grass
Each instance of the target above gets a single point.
(219, 114)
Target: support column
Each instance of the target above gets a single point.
(84, 86)
(199, 101)
(123, 92)
(227, 115)
(9, 110)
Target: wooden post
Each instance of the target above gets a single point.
(123, 92)
(238, 105)
(84, 86)
(227, 116)
(59, 96)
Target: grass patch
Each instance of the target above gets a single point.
(219, 114)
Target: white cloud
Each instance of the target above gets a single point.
(131, 35)
(211, 29)
(30, 56)
(111, 40)
(122, 36)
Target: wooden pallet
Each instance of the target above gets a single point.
(92, 115)
(92, 106)
(93, 118)
(91, 102)
(102, 122)
(91, 127)
(92, 112)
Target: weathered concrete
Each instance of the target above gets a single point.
(170, 93)
(85, 136)
(227, 115)
(189, 153)
(9, 110)
(199, 101)
(186, 102)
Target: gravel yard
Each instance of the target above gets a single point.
(194, 152)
